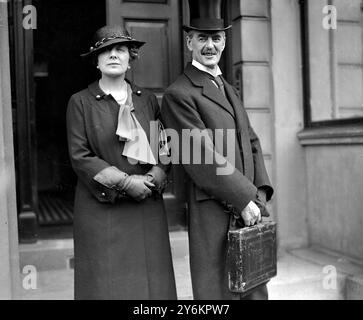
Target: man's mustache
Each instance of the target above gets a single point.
(209, 52)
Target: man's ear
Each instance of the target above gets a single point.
(189, 43)
(224, 40)
(224, 43)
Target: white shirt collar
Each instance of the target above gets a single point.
(214, 73)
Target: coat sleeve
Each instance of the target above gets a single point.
(84, 162)
(159, 171)
(261, 180)
(180, 112)
(165, 168)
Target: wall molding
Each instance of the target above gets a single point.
(343, 135)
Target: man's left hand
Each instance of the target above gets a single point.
(251, 214)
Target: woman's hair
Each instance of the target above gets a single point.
(133, 52)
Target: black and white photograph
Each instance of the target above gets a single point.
(181, 150)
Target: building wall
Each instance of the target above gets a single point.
(267, 67)
(9, 261)
(334, 152)
(251, 59)
(252, 67)
(318, 172)
(290, 170)
(335, 205)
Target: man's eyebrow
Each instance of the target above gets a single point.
(206, 35)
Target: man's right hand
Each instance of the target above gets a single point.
(137, 187)
(251, 214)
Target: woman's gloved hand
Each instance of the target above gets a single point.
(142, 177)
(110, 177)
(158, 177)
(138, 187)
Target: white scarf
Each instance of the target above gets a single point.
(137, 146)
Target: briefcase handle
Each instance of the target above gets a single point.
(236, 221)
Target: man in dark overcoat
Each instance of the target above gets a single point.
(202, 101)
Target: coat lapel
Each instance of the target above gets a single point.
(199, 79)
(236, 104)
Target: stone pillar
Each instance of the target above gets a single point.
(251, 57)
(9, 253)
(290, 169)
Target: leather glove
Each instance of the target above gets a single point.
(158, 177)
(141, 177)
(137, 187)
(110, 177)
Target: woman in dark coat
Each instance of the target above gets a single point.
(121, 239)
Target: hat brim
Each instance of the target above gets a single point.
(99, 49)
(190, 28)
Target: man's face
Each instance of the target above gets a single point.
(207, 48)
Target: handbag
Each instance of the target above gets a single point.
(251, 255)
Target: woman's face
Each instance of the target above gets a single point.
(114, 61)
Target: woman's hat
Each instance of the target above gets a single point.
(111, 35)
(205, 15)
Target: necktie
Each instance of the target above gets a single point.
(220, 84)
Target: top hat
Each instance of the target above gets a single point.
(205, 15)
(111, 35)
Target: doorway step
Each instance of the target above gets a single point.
(302, 274)
(54, 209)
(54, 264)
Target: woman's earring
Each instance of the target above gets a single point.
(98, 67)
(129, 67)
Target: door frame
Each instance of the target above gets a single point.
(22, 84)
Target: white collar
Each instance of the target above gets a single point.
(214, 73)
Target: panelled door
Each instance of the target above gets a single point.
(158, 23)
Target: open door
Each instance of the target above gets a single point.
(46, 70)
(158, 23)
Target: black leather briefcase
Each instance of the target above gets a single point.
(251, 256)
